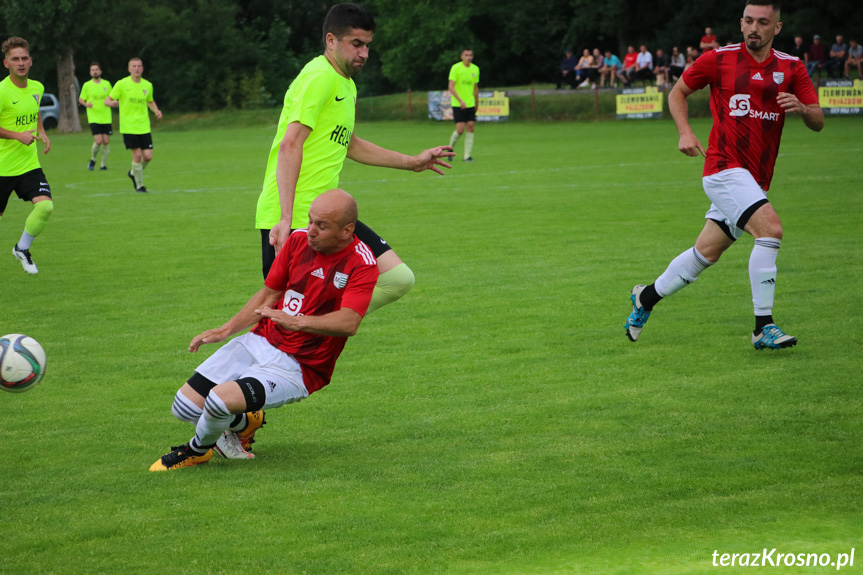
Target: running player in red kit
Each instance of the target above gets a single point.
(752, 88)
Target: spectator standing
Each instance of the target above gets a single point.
(661, 67)
(838, 55)
(610, 65)
(708, 41)
(99, 116)
(855, 58)
(566, 73)
(817, 55)
(677, 64)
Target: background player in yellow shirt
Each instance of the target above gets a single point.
(93, 95)
(134, 96)
(464, 87)
(20, 126)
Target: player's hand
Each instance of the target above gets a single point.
(690, 146)
(27, 138)
(47, 142)
(158, 114)
(209, 336)
(432, 158)
(790, 103)
(281, 318)
(279, 234)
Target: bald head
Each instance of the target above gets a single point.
(332, 218)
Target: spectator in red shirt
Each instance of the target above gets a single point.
(627, 71)
(708, 41)
(817, 56)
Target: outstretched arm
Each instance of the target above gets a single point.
(245, 318)
(365, 152)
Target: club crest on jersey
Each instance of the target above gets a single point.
(293, 302)
(36, 97)
(739, 105)
(778, 77)
(340, 280)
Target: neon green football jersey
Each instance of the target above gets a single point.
(465, 78)
(19, 112)
(322, 99)
(133, 97)
(95, 94)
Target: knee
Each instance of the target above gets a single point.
(45, 207)
(185, 409)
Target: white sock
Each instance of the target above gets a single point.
(138, 174)
(762, 274)
(454, 138)
(106, 149)
(185, 409)
(682, 271)
(26, 241)
(94, 149)
(468, 144)
(213, 422)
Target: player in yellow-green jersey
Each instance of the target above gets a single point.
(99, 116)
(314, 136)
(20, 127)
(464, 87)
(134, 96)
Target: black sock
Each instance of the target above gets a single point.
(649, 297)
(761, 321)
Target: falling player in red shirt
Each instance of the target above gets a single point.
(752, 88)
(313, 299)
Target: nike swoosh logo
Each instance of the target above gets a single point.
(337, 98)
(16, 102)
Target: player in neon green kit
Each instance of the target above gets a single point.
(316, 134)
(92, 97)
(20, 127)
(134, 96)
(464, 87)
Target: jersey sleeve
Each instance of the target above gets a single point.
(83, 95)
(150, 92)
(115, 91)
(702, 72)
(802, 86)
(310, 99)
(358, 293)
(452, 74)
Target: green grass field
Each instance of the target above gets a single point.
(494, 421)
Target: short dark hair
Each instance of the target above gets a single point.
(95, 64)
(342, 18)
(15, 42)
(776, 5)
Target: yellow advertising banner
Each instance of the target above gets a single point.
(639, 103)
(841, 97)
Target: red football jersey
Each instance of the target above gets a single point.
(747, 120)
(317, 284)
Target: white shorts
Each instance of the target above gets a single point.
(732, 192)
(251, 355)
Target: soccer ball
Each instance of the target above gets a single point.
(22, 363)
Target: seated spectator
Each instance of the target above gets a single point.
(660, 67)
(691, 55)
(628, 66)
(855, 58)
(816, 56)
(644, 64)
(798, 50)
(676, 65)
(610, 65)
(708, 41)
(566, 74)
(838, 55)
(583, 67)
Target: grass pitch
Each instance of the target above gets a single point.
(496, 420)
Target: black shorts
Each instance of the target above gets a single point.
(28, 185)
(97, 129)
(377, 244)
(461, 115)
(135, 141)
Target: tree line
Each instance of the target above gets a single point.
(216, 54)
